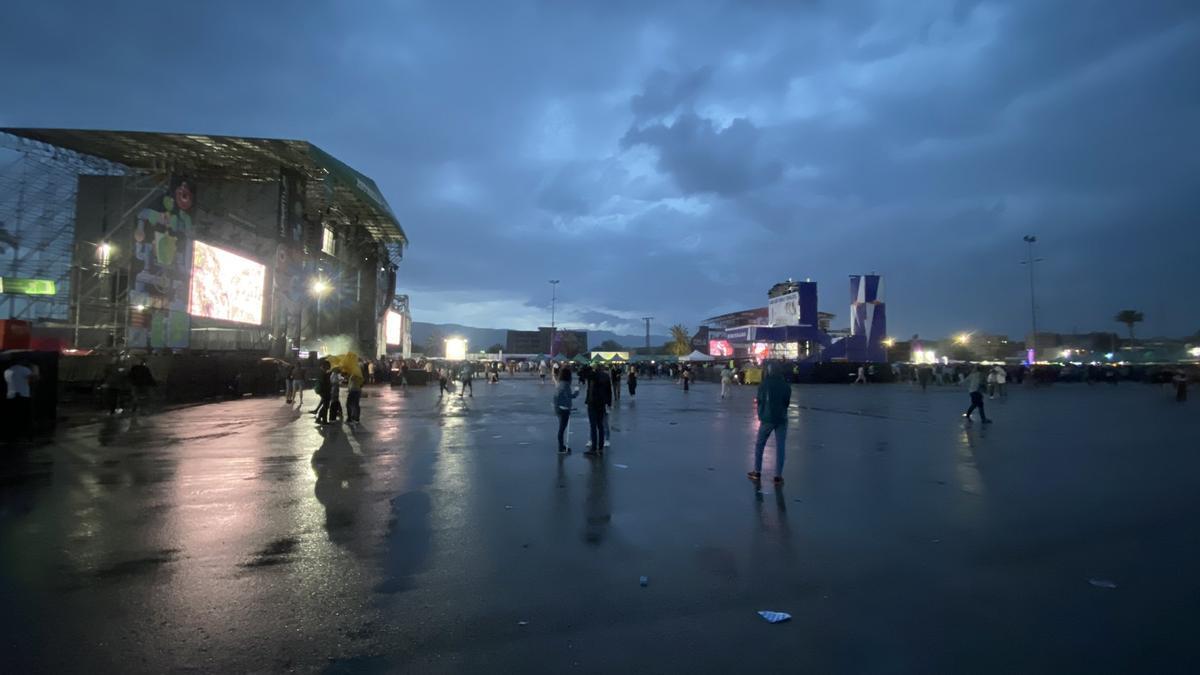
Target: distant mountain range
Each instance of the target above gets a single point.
(482, 338)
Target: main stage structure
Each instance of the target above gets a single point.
(171, 241)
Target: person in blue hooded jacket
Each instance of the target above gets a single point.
(562, 406)
(774, 397)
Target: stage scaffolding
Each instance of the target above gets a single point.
(38, 186)
(44, 175)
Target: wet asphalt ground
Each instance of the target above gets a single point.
(449, 537)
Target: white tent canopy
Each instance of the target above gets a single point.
(696, 356)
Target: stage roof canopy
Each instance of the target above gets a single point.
(331, 183)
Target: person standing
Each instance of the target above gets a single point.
(465, 376)
(116, 384)
(335, 396)
(299, 382)
(542, 371)
(726, 380)
(563, 398)
(631, 382)
(142, 380)
(290, 384)
(598, 399)
(1181, 382)
(354, 399)
(324, 389)
(404, 373)
(685, 374)
(443, 382)
(616, 383)
(862, 376)
(18, 383)
(1001, 381)
(975, 383)
(991, 384)
(774, 397)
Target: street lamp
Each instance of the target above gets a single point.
(1030, 260)
(553, 306)
(962, 338)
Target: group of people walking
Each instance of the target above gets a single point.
(329, 384)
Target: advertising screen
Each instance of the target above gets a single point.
(720, 348)
(393, 328)
(784, 310)
(760, 351)
(225, 285)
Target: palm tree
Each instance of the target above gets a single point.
(681, 340)
(1129, 317)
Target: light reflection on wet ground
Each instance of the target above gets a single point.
(238, 536)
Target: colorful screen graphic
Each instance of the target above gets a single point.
(720, 348)
(225, 285)
(393, 327)
(761, 351)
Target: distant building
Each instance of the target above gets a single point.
(546, 340)
(1097, 342)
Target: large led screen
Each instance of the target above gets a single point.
(720, 348)
(225, 285)
(393, 328)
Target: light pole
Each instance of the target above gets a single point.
(1030, 260)
(553, 306)
(647, 320)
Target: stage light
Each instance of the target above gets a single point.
(320, 287)
(393, 327)
(456, 349)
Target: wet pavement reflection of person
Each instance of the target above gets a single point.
(597, 509)
(340, 483)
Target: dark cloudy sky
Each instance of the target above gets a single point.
(676, 159)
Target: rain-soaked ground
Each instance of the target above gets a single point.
(450, 538)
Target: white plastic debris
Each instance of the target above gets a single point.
(775, 617)
(621, 466)
(1102, 583)
(522, 623)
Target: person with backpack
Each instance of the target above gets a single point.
(774, 397)
(324, 391)
(599, 398)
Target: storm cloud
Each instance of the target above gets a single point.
(676, 160)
